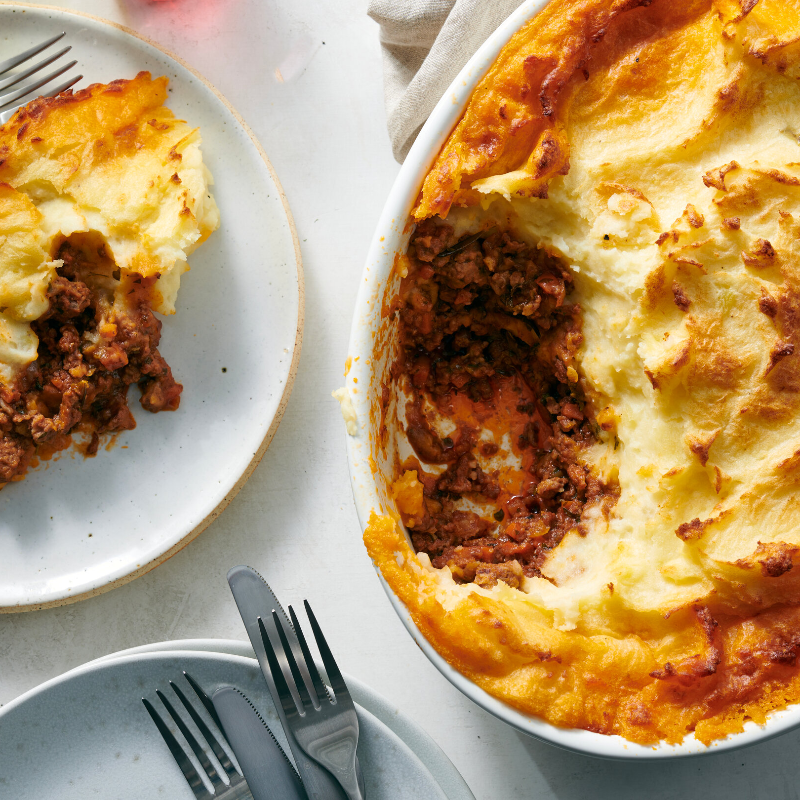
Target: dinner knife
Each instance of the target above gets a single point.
(264, 765)
(255, 599)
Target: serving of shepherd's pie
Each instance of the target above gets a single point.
(103, 194)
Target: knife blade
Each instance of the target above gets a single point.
(255, 599)
(264, 765)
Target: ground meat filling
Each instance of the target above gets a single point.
(90, 352)
(478, 317)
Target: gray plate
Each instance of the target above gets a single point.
(426, 750)
(86, 733)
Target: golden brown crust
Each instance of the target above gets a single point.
(107, 115)
(515, 118)
(709, 674)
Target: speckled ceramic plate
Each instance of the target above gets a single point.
(75, 527)
(87, 734)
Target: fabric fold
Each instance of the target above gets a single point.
(425, 43)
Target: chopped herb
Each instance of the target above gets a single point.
(464, 243)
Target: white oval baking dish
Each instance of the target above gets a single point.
(370, 355)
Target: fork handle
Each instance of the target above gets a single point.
(241, 791)
(324, 747)
(360, 778)
(355, 794)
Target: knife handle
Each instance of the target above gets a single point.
(264, 765)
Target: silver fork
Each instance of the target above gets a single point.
(236, 788)
(325, 727)
(11, 100)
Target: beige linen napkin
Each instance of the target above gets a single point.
(425, 44)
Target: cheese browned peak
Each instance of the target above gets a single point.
(654, 149)
(103, 195)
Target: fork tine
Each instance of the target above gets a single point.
(204, 699)
(14, 97)
(334, 676)
(287, 701)
(186, 766)
(20, 76)
(319, 686)
(221, 755)
(205, 763)
(5, 116)
(302, 689)
(62, 87)
(15, 61)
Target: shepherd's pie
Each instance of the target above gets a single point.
(597, 371)
(103, 195)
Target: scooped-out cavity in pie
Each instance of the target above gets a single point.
(597, 373)
(103, 195)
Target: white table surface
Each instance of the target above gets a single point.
(324, 130)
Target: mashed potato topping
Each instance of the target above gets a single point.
(25, 272)
(103, 195)
(655, 149)
(110, 159)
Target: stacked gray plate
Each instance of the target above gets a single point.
(87, 734)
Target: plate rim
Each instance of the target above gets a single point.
(297, 347)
